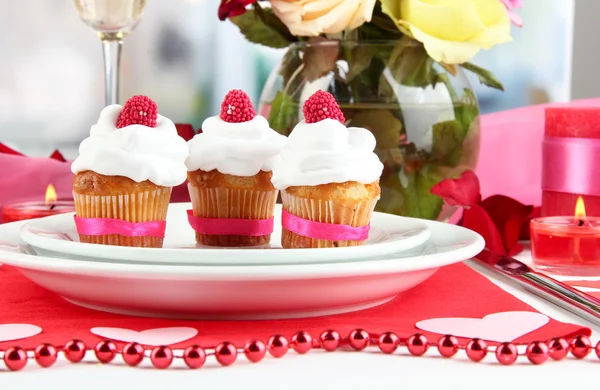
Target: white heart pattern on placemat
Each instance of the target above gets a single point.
(158, 336)
(505, 326)
(10, 332)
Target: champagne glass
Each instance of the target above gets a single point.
(112, 20)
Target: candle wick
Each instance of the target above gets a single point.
(53, 206)
(580, 223)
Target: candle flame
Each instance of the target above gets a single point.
(580, 209)
(50, 194)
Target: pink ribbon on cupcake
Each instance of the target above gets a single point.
(231, 226)
(105, 226)
(323, 231)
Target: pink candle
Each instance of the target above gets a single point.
(570, 122)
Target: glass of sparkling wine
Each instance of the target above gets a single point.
(112, 20)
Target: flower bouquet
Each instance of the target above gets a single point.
(396, 67)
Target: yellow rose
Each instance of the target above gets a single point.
(452, 31)
(314, 17)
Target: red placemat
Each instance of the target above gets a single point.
(454, 291)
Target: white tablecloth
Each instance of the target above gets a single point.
(321, 370)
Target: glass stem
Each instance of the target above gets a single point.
(111, 50)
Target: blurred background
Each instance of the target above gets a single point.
(180, 54)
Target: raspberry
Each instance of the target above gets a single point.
(237, 107)
(322, 105)
(139, 110)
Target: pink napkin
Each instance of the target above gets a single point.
(25, 178)
(510, 161)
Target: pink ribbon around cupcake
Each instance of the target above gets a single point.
(231, 226)
(224, 226)
(262, 227)
(102, 226)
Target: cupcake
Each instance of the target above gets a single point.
(329, 179)
(229, 176)
(124, 174)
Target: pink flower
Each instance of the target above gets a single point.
(510, 6)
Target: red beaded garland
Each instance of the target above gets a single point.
(506, 353)
(330, 340)
(581, 346)
(388, 342)
(447, 346)
(194, 356)
(417, 344)
(559, 348)
(278, 346)
(255, 351)
(15, 358)
(537, 352)
(74, 351)
(226, 353)
(358, 339)
(133, 354)
(45, 355)
(476, 349)
(161, 357)
(105, 351)
(301, 342)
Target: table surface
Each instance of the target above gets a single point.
(321, 370)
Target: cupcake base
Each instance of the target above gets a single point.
(146, 206)
(342, 211)
(232, 203)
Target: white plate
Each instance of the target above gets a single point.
(238, 292)
(56, 236)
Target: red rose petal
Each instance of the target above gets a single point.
(185, 131)
(56, 155)
(5, 149)
(477, 219)
(509, 216)
(464, 191)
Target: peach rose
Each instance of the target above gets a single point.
(314, 17)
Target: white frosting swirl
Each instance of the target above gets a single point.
(327, 152)
(138, 152)
(240, 149)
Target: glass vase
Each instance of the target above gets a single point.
(424, 115)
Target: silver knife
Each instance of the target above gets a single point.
(554, 291)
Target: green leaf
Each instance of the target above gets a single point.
(448, 137)
(256, 31)
(359, 59)
(408, 193)
(319, 59)
(386, 128)
(284, 113)
(292, 76)
(270, 19)
(485, 76)
(409, 65)
(467, 111)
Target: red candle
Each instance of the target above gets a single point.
(567, 246)
(29, 210)
(571, 122)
